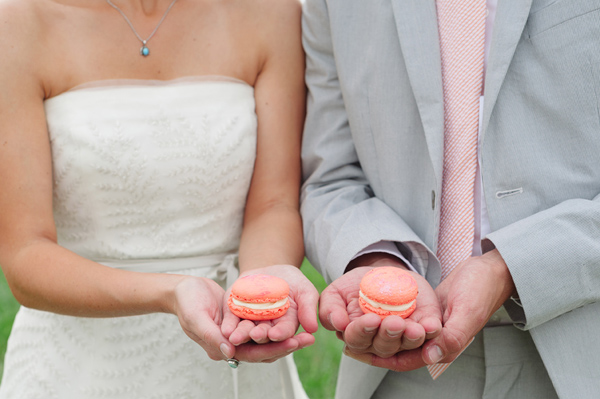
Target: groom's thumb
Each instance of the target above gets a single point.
(447, 346)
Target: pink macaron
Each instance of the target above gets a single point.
(388, 291)
(259, 297)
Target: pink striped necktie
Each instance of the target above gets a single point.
(461, 25)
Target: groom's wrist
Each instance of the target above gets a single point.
(375, 259)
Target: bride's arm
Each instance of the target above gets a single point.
(41, 274)
(272, 231)
(272, 235)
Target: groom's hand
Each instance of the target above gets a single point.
(469, 295)
(367, 337)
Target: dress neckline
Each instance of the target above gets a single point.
(122, 83)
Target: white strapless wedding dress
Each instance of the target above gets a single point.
(148, 176)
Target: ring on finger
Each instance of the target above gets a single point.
(233, 363)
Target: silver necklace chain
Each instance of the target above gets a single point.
(144, 50)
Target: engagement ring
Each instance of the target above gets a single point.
(233, 363)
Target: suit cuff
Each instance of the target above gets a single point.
(399, 250)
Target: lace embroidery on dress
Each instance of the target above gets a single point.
(151, 172)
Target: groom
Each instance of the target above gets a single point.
(482, 172)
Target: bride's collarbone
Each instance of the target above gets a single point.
(123, 61)
(222, 42)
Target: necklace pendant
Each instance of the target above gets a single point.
(144, 50)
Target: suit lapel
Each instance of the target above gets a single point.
(511, 17)
(416, 23)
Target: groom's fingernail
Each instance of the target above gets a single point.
(330, 322)
(394, 334)
(329, 319)
(412, 341)
(437, 330)
(435, 354)
(369, 330)
(345, 350)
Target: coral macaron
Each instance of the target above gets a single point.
(259, 297)
(388, 291)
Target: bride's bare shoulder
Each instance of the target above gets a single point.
(275, 12)
(277, 5)
(28, 40)
(24, 41)
(21, 25)
(27, 13)
(278, 21)
(31, 20)
(19, 15)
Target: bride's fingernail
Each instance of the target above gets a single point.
(224, 350)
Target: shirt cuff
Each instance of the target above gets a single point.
(387, 247)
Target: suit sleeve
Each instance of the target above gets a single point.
(554, 259)
(341, 214)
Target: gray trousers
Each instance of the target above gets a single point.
(502, 362)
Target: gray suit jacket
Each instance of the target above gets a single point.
(373, 154)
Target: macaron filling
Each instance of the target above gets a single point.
(260, 306)
(385, 306)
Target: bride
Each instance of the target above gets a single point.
(149, 149)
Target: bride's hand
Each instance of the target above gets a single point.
(276, 336)
(198, 305)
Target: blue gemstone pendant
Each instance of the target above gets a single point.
(145, 51)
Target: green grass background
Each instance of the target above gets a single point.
(317, 364)
(8, 309)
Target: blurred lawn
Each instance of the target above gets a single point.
(8, 309)
(317, 364)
